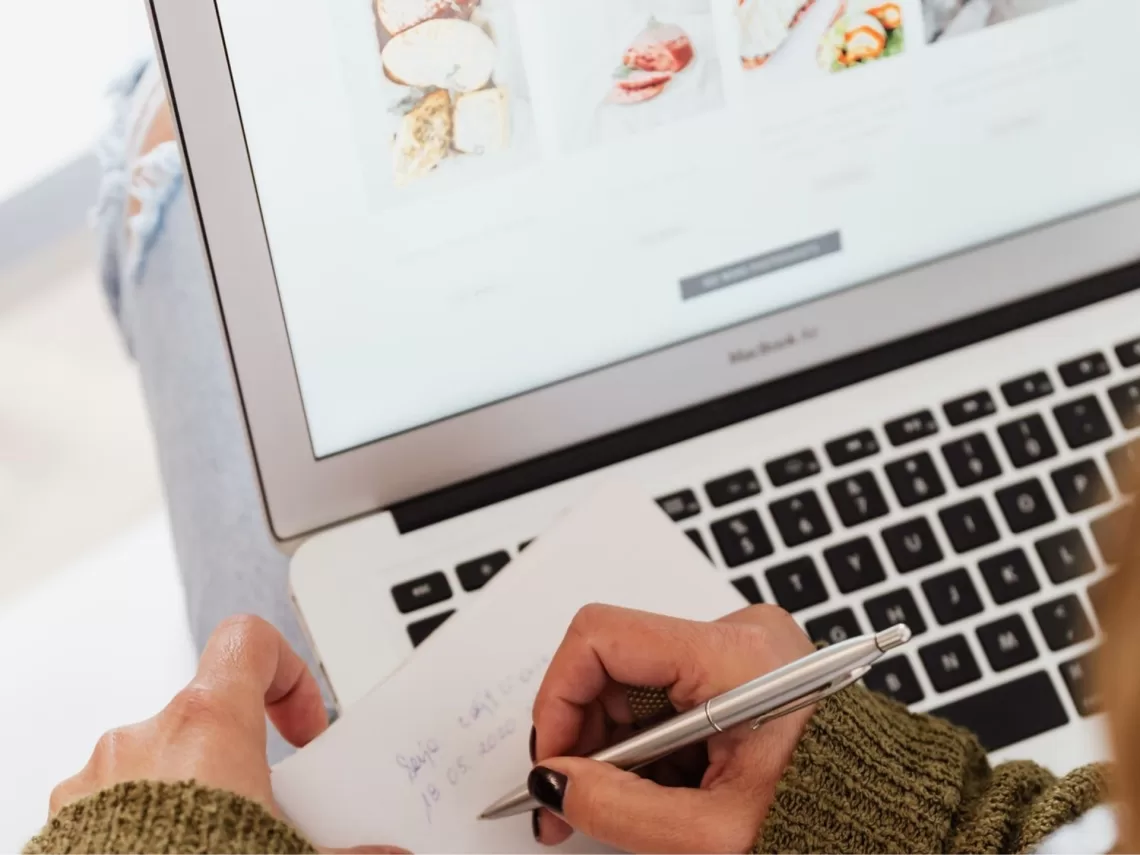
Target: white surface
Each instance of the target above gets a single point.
(441, 755)
(57, 58)
(99, 645)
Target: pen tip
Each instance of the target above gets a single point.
(893, 637)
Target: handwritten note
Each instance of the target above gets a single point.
(418, 758)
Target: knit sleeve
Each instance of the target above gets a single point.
(870, 776)
(166, 819)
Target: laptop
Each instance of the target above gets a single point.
(850, 288)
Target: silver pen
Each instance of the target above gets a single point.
(778, 693)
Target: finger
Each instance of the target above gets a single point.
(634, 814)
(252, 669)
(605, 648)
(365, 850)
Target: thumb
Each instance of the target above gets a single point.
(365, 850)
(633, 813)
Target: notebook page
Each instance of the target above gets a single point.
(416, 761)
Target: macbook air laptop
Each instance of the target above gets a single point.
(849, 287)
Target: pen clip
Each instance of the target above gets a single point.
(837, 685)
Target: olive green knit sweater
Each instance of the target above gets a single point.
(868, 776)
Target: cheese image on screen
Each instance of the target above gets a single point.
(448, 78)
(395, 16)
(655, 55)
(424, 137)
(862, 31)
(447, 53)
(481, 122)
(764, 27)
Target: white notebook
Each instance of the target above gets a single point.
(416, 761)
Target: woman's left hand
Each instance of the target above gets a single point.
(214, 730)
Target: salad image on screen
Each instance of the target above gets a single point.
(801, 38)
(949, 18)
(453, 83)
(862, 31)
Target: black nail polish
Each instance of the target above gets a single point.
(533, 739)
(535, 826)
(547, 786)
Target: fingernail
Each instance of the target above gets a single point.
(534, 826)
(547, 787)
(533, 739)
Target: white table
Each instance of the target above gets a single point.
(101, 644)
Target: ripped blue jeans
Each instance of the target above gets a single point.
(159, 289)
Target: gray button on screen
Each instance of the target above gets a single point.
(760, 265)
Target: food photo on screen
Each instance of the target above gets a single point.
(805, 39)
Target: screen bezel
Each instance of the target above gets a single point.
(303, 494)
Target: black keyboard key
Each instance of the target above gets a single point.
(1111, 534)
(1126, 400)
(1077, 675)
(950, 663)
(1026, 389)
(473, 575)
(420, 631)
(952, 596)
(1082, 422)
(698, 541)
(1082, 370)
(971, 460)
(1065, 556)
(742, 538)
(1129, 353)
(1123, 462)
(912, 545)
(915, 479)
(968, 525)
(857, 499)
(834, 628)
(1025, 506)
(1010, 713)
(969, 408)
(421, 593)
(794, 467)
(1027, 441)
(800, 519)
(796, 585)
(749, 589)
(894, 608)
(680, 506)
(895, 678)
(912, 427)
(1063, 622)
(1081, 486)
(1007, 643)
(1009, 576)
(854, 565)
(848, 449)
(732, 488)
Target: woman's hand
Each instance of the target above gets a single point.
(712, 797)
(214, 730)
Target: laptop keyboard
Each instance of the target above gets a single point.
(987, 531)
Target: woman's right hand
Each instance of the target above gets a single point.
(712, 797)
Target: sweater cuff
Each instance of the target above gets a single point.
(167, 819)
(869, 776)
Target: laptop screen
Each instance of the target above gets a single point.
(466, 200)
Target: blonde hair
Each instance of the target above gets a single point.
(1118, 677)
